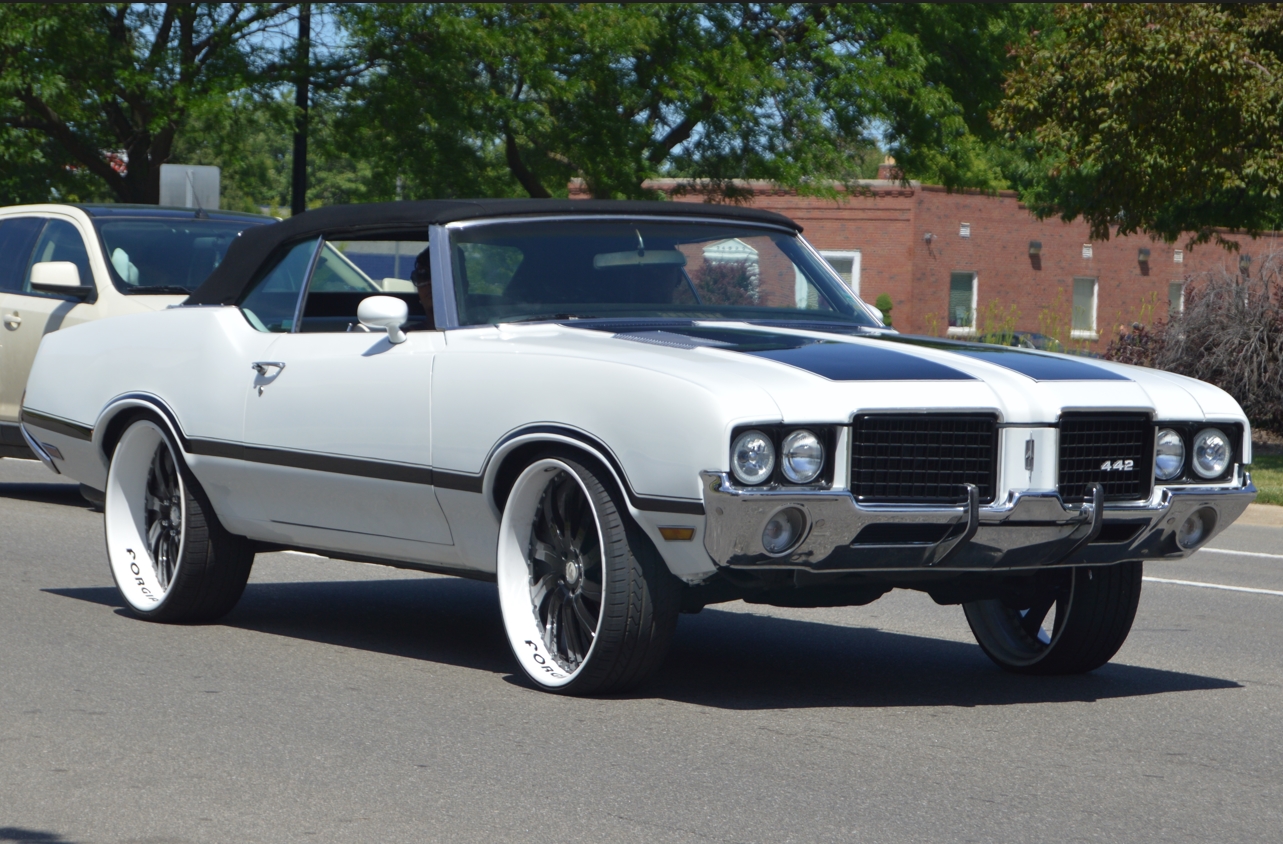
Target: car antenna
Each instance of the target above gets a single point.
(641, 244)
(200, 209)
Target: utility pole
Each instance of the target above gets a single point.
(298, 184)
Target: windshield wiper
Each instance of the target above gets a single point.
(161, 288)
(545, 318)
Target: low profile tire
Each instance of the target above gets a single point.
(588, 605)
(1076, 622)
(171, 559)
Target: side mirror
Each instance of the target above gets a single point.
(385, 312)
(59, 277)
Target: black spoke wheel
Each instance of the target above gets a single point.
(588, 604)
(566, 574)
(170, 557)
(1073, 621)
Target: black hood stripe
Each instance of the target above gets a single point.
(1036, 365)
(826, 358)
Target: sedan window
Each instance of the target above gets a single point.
(17, 236)
(60, 241)
(165, 256)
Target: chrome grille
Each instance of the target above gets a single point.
(1114, 450)
(923, 458)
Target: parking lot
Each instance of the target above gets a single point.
(342, 702)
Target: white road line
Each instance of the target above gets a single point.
(305, 554)
(1214, 586)
(1242, 553)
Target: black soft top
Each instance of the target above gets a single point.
(256, 244)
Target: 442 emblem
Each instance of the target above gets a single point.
(1118, 466)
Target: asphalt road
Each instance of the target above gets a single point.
(342, 702)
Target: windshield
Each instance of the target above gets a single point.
(163, 255)
(506, 272)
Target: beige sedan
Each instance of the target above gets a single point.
(61, 265)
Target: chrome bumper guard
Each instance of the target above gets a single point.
(1030, 530)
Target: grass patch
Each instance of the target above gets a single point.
(1267, 474)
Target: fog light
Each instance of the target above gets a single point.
(1195, 529)
(783, 531)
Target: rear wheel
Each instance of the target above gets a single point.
(171, 559)
(1076, 620)
(588, 605)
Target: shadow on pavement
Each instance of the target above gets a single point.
(14, 833)
(728, 660)
(46, 493)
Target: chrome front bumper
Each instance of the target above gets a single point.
(1033, 529)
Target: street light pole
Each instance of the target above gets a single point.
(298, 182)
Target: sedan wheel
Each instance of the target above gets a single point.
(170, 558)
(587, 604)
(1075, 622)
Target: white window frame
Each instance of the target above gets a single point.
(854, 255)
(1085, 333)
(966, 330)
(1181, 304)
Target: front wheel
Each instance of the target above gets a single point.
(1074, 622)
(171, 559)
(588, 605)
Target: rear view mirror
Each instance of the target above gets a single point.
(59, 277)
(385, 312)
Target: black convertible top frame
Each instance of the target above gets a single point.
(255, 245)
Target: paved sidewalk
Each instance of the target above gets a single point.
(1262, 515)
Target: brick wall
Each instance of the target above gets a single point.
(889, 223)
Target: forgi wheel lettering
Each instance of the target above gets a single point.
(192, 569)
(586, 602)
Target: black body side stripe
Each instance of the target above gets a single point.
(58, 426)
(403, 472)
(333, 464)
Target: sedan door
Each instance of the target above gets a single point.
(337, 426)
(27, 315)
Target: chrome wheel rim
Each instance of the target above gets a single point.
(164, 515)
(550, 567)
(1022, 636)
(564, 560)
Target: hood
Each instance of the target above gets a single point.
(818, 373)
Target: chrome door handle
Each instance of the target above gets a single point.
(12, 320)
(261, 366)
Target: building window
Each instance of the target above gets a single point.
(1175, 298)
(1083, 326)
(962, 303)
(847, 265)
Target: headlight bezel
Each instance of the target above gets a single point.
(1189, 431)
(825, 434)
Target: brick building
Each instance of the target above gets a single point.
(958, 263)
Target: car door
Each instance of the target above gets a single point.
(337, 423)
(27, 315)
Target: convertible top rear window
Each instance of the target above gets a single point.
(559, 269)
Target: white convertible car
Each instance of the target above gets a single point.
(620, 411)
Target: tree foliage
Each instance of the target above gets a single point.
(506, 99)
(105, 88)
(1163, 119)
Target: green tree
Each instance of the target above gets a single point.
(1164, 119)
(467, 99)
(104, 89)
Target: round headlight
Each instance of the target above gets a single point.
(1212, 453)
(752, 457)
(1169, 455)
(801, 457)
